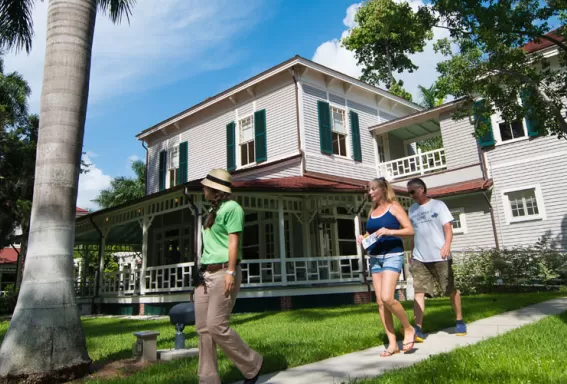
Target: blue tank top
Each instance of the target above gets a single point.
(386, 245)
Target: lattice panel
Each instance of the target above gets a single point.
(168, 278)
(324, 269)
(261, 273)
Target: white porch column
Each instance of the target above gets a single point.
(146, 223)
(306, 225)
(357, 232)
(121, 274)
(281, 222)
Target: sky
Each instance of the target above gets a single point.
(176, 53)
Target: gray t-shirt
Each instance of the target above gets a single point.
(428, 220)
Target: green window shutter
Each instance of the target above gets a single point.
(162, 169)
(260, 135)
(325, 133)
(486, 140)
(355, 129)
(183, 154)
(231, 146)
(532, 123)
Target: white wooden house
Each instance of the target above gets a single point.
(302, 141)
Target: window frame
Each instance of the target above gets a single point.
(509, 125)
(460, 213)
(510, 219)
(346, 133)
(171, 167)
(247, 143)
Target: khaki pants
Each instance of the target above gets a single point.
(212, 313)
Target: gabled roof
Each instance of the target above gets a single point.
(534, 46)
(296, 60)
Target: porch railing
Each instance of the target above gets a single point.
(169, 278)
(414, 165)
(125, 282)
(255, 274)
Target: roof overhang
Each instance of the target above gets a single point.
(249, 84)
(416, 119)
(466, 187)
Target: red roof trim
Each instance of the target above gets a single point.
(459, 188)
(534, 46)
(8, 256)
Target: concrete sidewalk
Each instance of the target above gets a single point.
(368, 363)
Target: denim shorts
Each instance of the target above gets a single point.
(386, 263)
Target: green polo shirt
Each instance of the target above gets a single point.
(230, 219)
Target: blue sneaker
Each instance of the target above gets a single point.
(461, 328)
(418, 335)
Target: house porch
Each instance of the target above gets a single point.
(298, 243)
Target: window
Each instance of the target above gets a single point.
(246, 140)
(173, 165)
(338, 122)
(524, 204)
(459, 222)
(511, 131)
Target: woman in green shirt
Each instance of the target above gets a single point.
(221, 276)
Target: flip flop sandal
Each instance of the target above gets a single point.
(407, 349)
(386, 353)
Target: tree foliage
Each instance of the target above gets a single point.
(387, 32)
(484, 54)
(123, 189)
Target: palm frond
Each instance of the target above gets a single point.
(117, 9)
(16, 24)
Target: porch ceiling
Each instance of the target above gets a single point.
(417, 130)
(125, 234)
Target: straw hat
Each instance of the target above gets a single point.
(218, 179)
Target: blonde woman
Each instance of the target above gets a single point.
(390, 222)
(220, 283)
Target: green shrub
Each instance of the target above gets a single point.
(541, 265)
(8, 301)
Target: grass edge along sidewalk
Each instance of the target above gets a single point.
(286, 339)
(534, 353)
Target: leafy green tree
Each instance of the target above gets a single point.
(386, 34)
(45, 341)
(124, 189)
(484, 54)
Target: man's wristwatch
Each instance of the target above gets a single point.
(232, 273)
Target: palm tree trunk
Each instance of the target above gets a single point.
(45, 340)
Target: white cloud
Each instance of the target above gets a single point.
(333, 55)
(166, 40)
(90, 185)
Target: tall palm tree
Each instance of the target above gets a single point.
(124, 189)
(45, 339)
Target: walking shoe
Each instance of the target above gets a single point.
(255, 378)
(460, 328)
(418, 335)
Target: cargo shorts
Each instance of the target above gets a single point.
(426, 274)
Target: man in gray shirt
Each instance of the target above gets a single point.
(433, 225)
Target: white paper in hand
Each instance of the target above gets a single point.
(369, 240)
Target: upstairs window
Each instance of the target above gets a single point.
(339, 131)
(173, 165)
(247, 154)
(511, 131)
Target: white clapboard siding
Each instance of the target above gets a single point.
(479, 232)
(334, 165)
(280, 171)
(460, 145)
(207, 138)
(540, 161)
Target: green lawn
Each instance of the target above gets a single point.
(285, 339)
(536, 353)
